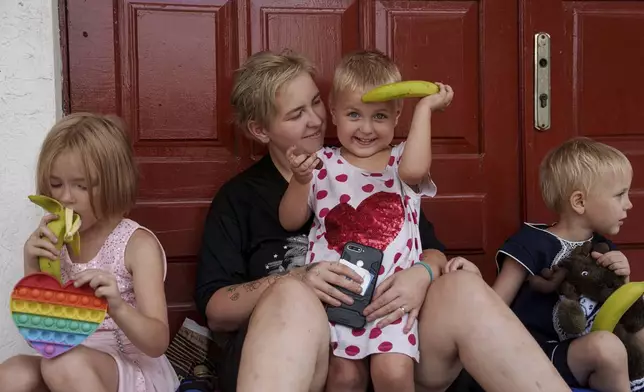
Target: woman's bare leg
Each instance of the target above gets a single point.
(287, 344)
(464, 323)
(22, 374)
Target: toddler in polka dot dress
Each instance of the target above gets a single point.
(369, 192)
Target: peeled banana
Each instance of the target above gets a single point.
(616, 305)
(405, 89)
(65, 228)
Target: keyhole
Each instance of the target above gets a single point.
(544, 100)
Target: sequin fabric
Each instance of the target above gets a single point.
(375, 222)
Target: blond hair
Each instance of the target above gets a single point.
(257, 82)
(576, 165)
(107, 156)
(363, 70)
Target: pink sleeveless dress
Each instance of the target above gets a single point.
(137, 371)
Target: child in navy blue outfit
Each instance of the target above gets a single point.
(586, 183)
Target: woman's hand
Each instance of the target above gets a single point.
(41, 243)
(104, 285)
(322, 276)
(402, 292)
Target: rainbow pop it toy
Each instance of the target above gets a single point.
(55, 319)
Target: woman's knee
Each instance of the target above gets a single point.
(459, 284)
(453, 294)
(290, 309)
(21, 373)
(290, 297)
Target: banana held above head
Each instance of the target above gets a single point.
(405, 89)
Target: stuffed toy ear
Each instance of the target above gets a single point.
(601, 247)
(586, 248)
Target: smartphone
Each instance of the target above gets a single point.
(366, 261)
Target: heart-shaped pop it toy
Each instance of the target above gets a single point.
(55, 319)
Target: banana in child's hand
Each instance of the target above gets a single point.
(65, 228)
(404, 89)
(616, 305)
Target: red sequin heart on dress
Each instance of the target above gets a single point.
(376, 222)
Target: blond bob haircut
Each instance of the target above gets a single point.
(257, 82)
(107, 157)
(577, 165)
(363, 70)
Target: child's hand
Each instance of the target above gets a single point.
(613, 260)
(440, 100)
(548, 281)
(458, 263)
(104, 285)
(41, 243)
(303, 165)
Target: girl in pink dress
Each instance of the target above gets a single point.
(86, 163)
(368, 192)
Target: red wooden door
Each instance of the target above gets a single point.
(166, 67)
(596, 91)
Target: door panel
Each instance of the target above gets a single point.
(166, 67)
(596, 91)
(470, 45)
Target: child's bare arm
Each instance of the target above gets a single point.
(294, 208)
(510, 279)
(146, 325)
(417, 156)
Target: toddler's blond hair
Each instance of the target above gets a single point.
(576, 165)
(363, 70)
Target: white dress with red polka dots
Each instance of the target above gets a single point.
(374, 209)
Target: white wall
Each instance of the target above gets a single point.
(29, 105)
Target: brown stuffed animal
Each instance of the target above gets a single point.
(579, 275)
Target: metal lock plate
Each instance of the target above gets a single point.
(542, 101)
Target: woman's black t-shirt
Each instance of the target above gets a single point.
(243, 239)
